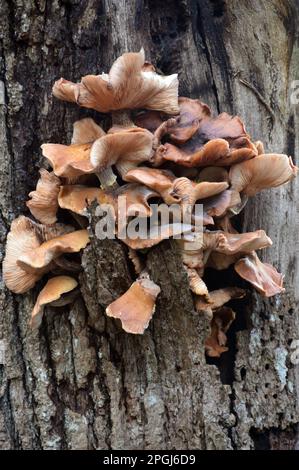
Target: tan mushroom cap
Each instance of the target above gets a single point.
(220, 141)
(43, 204)
(215, 343)
(234, 243)
(135, 307)
(192, 112)
(53, 290)
(125, 149)
(38, 259)
(155, 234)
(217, 298)
(217, 206)
(85, 131)
(128, 86)
(159, 180)
(22, 238)
(188, 192)
(77, 197)
(26, 236)
(69, 161)
(264, 171)
(136, 197)
(263, 276)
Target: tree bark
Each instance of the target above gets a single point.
(80, 382)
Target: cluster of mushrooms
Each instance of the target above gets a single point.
(162, 147)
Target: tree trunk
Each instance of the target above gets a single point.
(80, 382)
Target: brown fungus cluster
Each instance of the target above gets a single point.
(169, 148)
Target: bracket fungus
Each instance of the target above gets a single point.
(163, 147)
(136, 306)
(54, 290)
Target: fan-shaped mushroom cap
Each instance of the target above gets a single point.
(38, 259)
(135, 307)
(215, 343)
(189, 192)
(156, 234)
(85, 131)
(264, 171)
(159, 180)
(53, 290)
(263, 276)
(69, 161)
(43, 204)
(126, 149)
(76, 197)
(128, 86)
(22, 238)
(192, 112)
(220, 141)
(137, 197)
(219, 297)
(216, 206)
(233, 243)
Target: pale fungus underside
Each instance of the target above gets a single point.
(172, 151)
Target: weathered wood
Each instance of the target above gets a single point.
(81, 382)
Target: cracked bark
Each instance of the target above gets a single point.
(80, 382)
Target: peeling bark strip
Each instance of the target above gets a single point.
(80, 382)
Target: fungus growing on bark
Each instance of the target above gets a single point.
(263, 276)
(216, 342)
(200, 158)
(37, 259)
(127, 86)
(264, 171)
(85, 131)
(44, 204)
(136, 306)
(54, 290)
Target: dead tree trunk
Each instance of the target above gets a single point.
(80, 382)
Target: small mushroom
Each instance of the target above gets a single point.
(217, 298)
(260, 147)
(23, 237)
(126, 149)
(263, 276)
(233, 243)
(77, 197)
(220, 141)
(38, 259)
(136, 306)
(188, 192)
(192, 113)
(155, 234)
(136, 200)
(53, 290)
(69, 161)
(85, 131)
(128, 86)
(44, 204)
(160, 181)
(196, 284)
(217, 206)
(215, 343)
(264, 171)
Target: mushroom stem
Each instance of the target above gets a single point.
(122, 118)
(107, 179)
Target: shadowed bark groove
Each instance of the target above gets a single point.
(80, 382)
